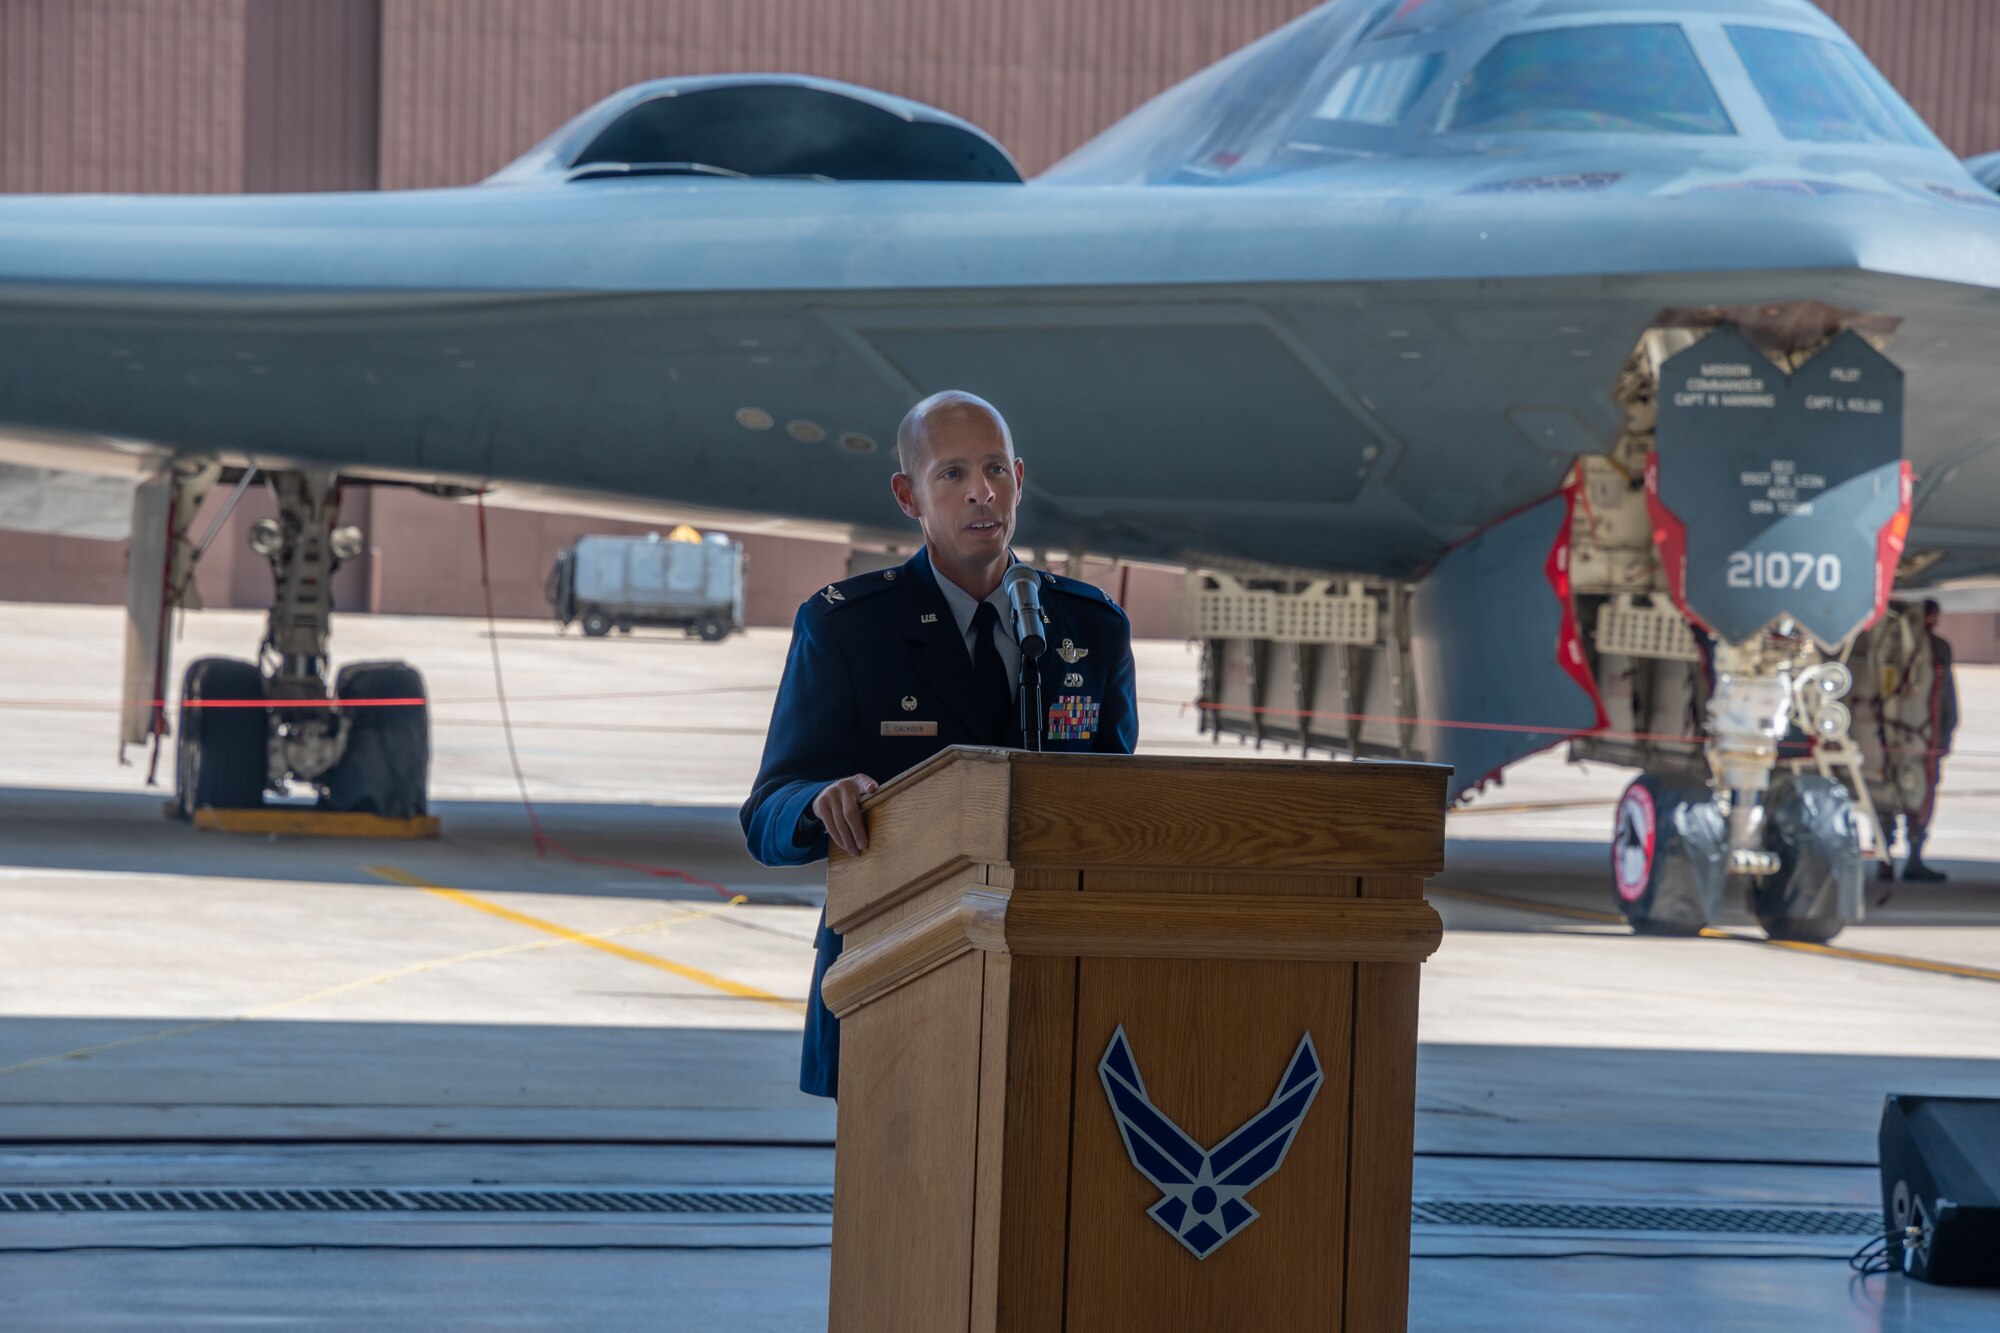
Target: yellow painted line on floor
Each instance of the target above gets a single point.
(287, 823)
(1533, 807)
(1870, 956)
(1879, 959)
(682, 970)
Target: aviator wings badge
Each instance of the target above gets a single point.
(1204, 1204)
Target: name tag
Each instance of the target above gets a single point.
(909, 728)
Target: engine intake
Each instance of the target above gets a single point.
(764, 126)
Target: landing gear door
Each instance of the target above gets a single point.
(145, 621)
(1778, 496)
(1493, 636)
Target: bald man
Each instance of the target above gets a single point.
(888, 668)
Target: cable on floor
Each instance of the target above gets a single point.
(544, 844)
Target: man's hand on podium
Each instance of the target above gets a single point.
(838, 806)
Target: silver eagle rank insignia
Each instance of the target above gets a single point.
(1204, 1204)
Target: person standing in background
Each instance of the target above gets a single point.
(1935, 739)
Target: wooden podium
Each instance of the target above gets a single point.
(1012, 913)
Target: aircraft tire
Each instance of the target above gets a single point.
(1669, 853)
(1809, 822)
(385, 769)
(219, 753)
(713, 629)
(596, 624)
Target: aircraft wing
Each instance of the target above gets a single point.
(1267, 376)
(1334, 304)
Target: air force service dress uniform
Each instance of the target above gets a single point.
(880, 678)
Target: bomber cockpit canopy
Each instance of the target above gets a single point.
(1364, 78)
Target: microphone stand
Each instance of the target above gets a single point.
(1030, 710)
(1024, 601)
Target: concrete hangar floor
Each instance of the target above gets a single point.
(323, 1085)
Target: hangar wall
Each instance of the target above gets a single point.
(312, 95)
(1941, 54)
(159, 96)
(121, 95)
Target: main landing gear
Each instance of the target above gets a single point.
(250, 728)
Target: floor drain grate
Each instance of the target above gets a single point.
(819, 1203)
(1648, 1217)
(389, 1200)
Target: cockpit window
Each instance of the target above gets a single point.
(1821, 91)
(1380, 92)
(1620, 78)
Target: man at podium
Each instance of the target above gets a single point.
(888, 668)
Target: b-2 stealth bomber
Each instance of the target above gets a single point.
(1607, 362)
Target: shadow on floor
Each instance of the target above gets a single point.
(487, 846)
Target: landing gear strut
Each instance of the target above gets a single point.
(250, 728)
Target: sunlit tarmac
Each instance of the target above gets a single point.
(183, 1009)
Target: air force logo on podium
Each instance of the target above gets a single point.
(1204, 1204)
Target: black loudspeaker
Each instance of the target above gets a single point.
(1941, 1175)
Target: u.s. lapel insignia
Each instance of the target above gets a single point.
(909, 703)
(1070, 653)
(1203, 1204)
(888, 576)
(927, 618)
(832, 594)
(1073, 680)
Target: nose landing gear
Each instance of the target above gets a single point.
(1777, 506)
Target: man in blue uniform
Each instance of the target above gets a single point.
(888, 668)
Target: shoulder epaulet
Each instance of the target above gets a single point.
(834, 596)
(1089, 592)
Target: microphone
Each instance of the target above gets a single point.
(1024, 594)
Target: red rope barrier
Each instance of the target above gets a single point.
(96, 706)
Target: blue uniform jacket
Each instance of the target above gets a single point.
(879, 652)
